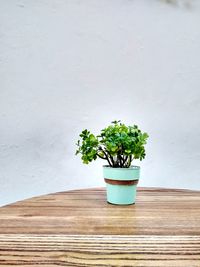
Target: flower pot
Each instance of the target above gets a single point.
(121, 184)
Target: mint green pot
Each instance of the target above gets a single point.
(121, 184)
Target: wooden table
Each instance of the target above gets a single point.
(79, 228)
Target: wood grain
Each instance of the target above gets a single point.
(107, 250)
(157, 211)
(79, 228)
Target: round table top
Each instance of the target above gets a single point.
(79, 228)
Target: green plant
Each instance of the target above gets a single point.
(118, 144)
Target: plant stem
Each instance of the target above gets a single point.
(107, 157)
(125, 159)
(129, 161)
(111, 158)
(120, 160)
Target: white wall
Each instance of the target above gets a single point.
(66, 65)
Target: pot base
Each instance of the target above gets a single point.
(121, 194)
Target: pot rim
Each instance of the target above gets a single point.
(132, 167)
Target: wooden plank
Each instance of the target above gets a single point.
(98, 250)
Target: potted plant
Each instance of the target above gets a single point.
(119, 145)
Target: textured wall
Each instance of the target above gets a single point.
(67, 64)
